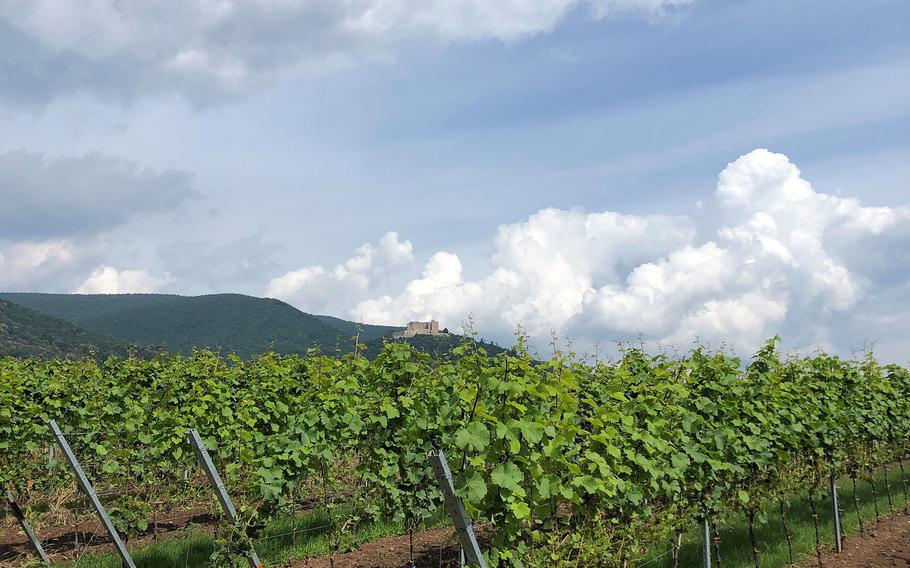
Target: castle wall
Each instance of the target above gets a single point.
(418, 328)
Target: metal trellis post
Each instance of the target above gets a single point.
(705, 543)
(89, 491)
(463, 525)
(205, 460)
(838, 543)
(27, 528)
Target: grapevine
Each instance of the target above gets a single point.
(564, 461)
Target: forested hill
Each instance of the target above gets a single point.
(27, 333)
(231, 323)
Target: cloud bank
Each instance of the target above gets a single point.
(55, 213)
(29, 265)
(207, 50)
(768, 255)
(45, 196)
(109, 280)
(315, 288)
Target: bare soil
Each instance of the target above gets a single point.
(436, 548)
(62, 543)
(886, 545)
(70, 539)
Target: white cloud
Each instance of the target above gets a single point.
(57, 215)
(27, 264)
(109, 280)
(29, 256)
(314, 288)
(209, 48)
(542, 270)
(777, 257)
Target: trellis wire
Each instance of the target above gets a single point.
(664, 554)
(294, 532)
(230, 512)
(88, 544)
(787, 534)
(86, 487)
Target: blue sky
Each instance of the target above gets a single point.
(253, 146)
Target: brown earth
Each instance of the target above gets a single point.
(70, 539)
(886, 545)
(67, 543)
(437, 548)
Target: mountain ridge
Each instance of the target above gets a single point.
(231, 323)
(236, 323)
(28, 333)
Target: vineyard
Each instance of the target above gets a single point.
(560, 461)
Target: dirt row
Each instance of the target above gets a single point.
(437, 548)
(67, 543)
(886, 545)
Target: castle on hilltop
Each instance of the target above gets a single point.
(418, 328)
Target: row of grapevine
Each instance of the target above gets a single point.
(564, 461)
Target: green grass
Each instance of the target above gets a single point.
(283, 540)
(735, 546)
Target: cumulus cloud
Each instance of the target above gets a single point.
(109, 280)
(36, 265)
(43, 196)
(769, 254)
(206, 49)
(315, 288)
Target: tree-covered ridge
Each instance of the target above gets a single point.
(229, 323)
(570, 462)
(232, 323)
(27, 333)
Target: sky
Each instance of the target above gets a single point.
(669, 171)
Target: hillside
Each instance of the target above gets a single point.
(231, 323)
(438, 346)
(368, 332)
(27, 333)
